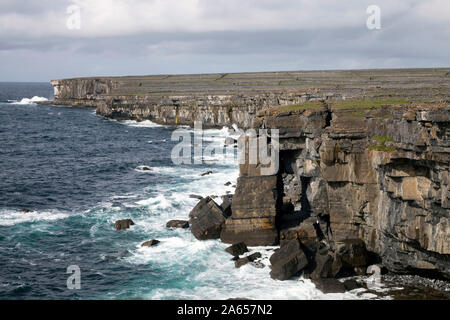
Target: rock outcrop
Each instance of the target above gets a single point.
(123, 224)
(150, 243)
(183, 224)
(254, 211)
(288, 261)
(374, 179)
(206, 219)
(248, 259)
(237, 249)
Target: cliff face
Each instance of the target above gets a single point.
(226, 99)
(382, 176)
(212, 110)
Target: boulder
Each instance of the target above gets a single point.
(144, 168)
(150, 243)
(123, 224)
(206, 173)
(237, 249)
(195, 196)
(254, 210)
(206, 220)
(117, 255)
(329, 285)
(352, 284)
(288, 261)
(177, 224)
(250, 258)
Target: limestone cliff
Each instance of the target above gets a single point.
(234, 98)
(376, 173)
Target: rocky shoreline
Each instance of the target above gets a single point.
(362, 181)
(284, 210)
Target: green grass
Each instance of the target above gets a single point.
(300, 106)
(381, 145)
(366, 104)
(383, 139)
(357, 108)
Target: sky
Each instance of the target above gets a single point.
(54, 39)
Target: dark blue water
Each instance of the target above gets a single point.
(78, 173)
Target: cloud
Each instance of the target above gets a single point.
(167, 36)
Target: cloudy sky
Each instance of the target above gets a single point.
(40, 40)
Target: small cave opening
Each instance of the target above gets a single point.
(294, 205)
(328, 117)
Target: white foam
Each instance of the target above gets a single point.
(143, 124)
(158, 202)
(12, 217)
(30, 101)
(215, 277)
(203, 264)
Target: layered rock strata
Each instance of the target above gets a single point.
(381, 177)
(234, 98)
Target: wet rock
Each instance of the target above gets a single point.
(227, 184)
(250, 258)
(329, 285)
(206, 220)
(352, 284)
(288, 261)
(177, 224)
(118, 255)
(206, 173)
(145, 168)
(195, 196)
(237, 249)
(123, 224)
(25, 211)
(150, 243)
(257, 264)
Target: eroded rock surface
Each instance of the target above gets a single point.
(380, 175)
(206, 219)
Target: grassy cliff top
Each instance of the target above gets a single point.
(384, 83)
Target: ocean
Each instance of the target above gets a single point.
(79, 173)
